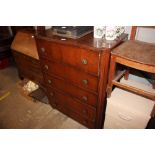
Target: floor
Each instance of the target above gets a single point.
(18, 112)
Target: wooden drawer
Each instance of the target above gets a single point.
(76, 116)
(27, 63)
(70, 74)
(31, 75)
(28, 67)
(24, 60)
(86, 60)
(59, 99)
(82, 95)
(33, 70)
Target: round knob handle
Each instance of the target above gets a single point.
(32, 36)
(85, 98)
(85, 82)
(42, 49)
(49, 81)
(52, 94)
(84, 61)
(46, 66)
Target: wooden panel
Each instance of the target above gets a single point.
(83, 110)
(82, 95)
(24, 42)
(71, 75)
(86, 60)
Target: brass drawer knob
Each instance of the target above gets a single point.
(85, 98)
(46, 67)
(85, 82)
(42, 49)
(84, 61)
(49, 81)
(52, 94)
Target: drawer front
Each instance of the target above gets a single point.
(24, 60)
(71, 75)
(83, 96)
(28, 66)
(83, 59)
(59, 99)
(76, 116)
(31, 75)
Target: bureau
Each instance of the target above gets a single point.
(26, 56)
(75, 75)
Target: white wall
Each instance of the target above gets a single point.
(47, 27)
(143, 34)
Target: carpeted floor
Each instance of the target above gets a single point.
(18, 112)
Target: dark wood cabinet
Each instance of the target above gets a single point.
(75, 75)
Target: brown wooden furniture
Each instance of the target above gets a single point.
(75, 74)
(26, 56)
(134, 54)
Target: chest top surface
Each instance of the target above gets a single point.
(88, 41)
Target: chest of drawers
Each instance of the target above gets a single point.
(75, 76)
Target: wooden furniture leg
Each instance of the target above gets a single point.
(111, 75)
(126, 76)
